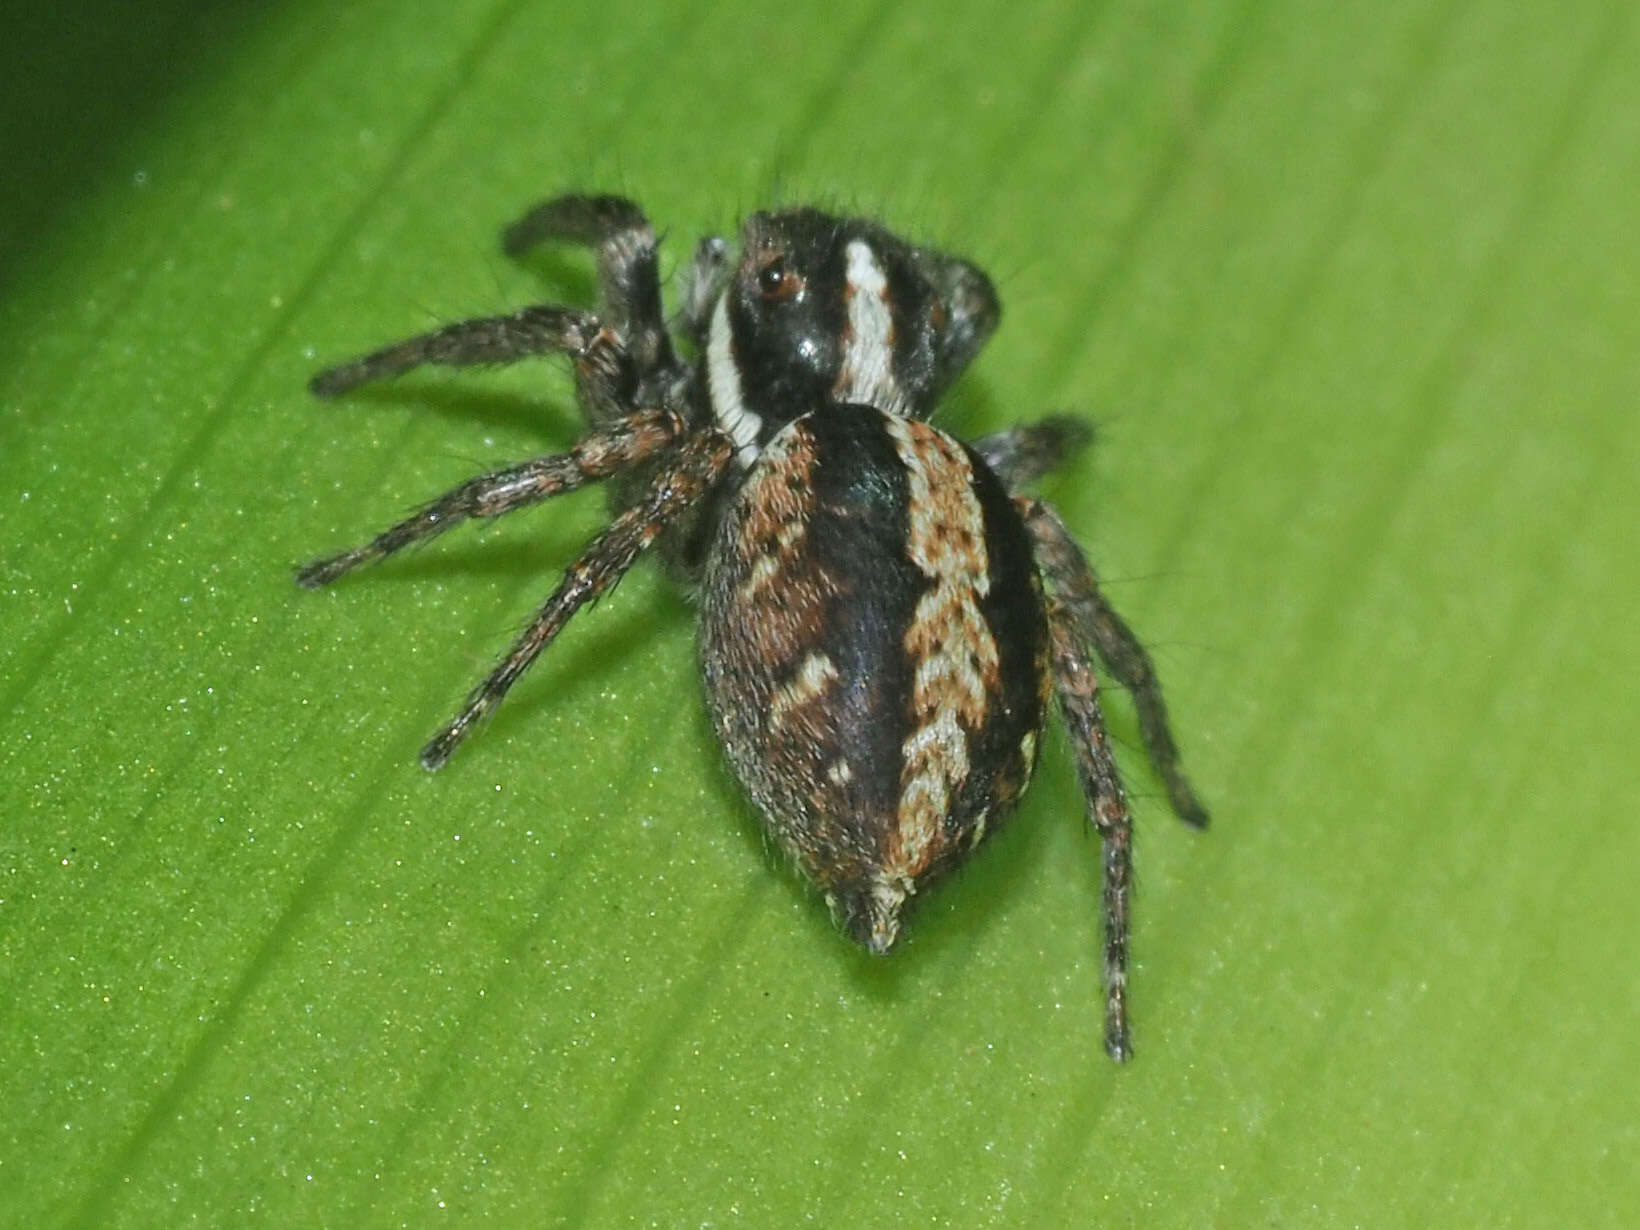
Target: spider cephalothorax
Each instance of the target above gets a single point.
(824, 311)
(884, 616)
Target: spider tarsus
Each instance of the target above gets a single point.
(1070, 434)
(334, 381)
(321, 572)
(519, 237)
(1118, 1045)
(441, 747)
(559, 217)
(1187, 806)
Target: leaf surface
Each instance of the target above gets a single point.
(1351, 295)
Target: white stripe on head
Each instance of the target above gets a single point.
(867, 374)
(723, 385)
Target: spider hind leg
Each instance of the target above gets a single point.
(628, 265)
(1082, 624)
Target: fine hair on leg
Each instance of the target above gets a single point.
(696, 468)
(539, 330)
(1072, 578)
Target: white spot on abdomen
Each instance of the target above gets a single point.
(814, 677)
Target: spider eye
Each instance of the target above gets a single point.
(776, 282)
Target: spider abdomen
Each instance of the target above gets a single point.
(876, 653)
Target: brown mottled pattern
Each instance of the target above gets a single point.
(774, 602)
(779, 509)
(781, 501)
(949, 638)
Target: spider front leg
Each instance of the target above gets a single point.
(531, 331)
(628, 268)
(679, 485)
(623, 444)
(1095, 620)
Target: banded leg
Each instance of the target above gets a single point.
(1020, 455)
(678, 486)
(1072, 578)
(1078, 689)
(623, 444)
(628, 269)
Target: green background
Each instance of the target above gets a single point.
(1351, 291)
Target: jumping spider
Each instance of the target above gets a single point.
(884, 617)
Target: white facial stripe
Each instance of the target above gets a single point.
(723, 384)
(867, 375)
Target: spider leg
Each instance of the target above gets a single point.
(1078, 689)
(628, 269)
(698, 466)
(530, 331)
(1022, 454)
(1096, 621)
(619, 446)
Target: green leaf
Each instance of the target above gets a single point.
(1351, 293)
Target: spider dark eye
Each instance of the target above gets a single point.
(776, 282)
